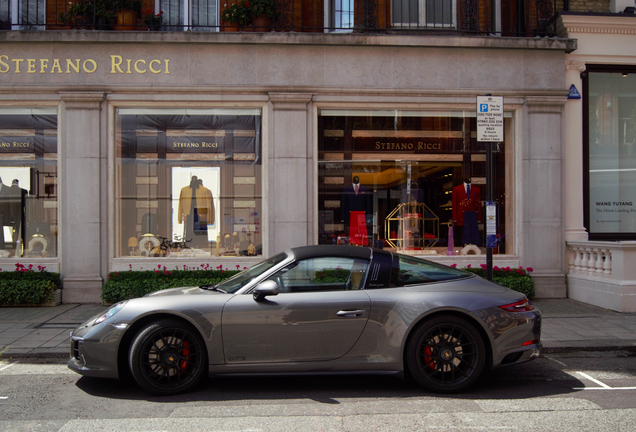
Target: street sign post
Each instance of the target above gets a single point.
(490, 128)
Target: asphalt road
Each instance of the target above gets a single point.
(581, 391)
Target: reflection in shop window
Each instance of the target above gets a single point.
(28, 182)
(410, 181)
(189, 182)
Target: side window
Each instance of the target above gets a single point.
(321, 274)
(414, 271)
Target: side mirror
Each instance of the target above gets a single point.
(264, 289)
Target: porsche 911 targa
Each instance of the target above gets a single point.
(315, 309)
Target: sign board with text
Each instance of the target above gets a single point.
(490, 119)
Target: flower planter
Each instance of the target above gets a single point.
(229, 28)
(262, 23)
(126, 20)
(56, 301)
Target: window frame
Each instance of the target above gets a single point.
(596, 68)
(422, 18)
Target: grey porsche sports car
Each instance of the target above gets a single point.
(315, 309)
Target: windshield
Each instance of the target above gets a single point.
(238, 281)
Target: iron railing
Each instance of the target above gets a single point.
(516, 18)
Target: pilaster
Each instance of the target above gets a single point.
(291, 206)
(80, 192)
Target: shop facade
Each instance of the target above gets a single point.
(600, 136)
(139, 150)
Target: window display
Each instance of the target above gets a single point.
(188, 182)
(28, 182)
(408, 180)
(611, 158)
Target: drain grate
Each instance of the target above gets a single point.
(57, 325)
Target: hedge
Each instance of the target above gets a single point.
(517, 279)
(131, 284)
(27, 287)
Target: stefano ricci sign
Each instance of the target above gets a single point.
(116, 65)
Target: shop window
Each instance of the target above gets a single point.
(200, 15)
(396, 179)
(424, 13)
(28, 182)
(188, 182)
(610, 174)
(22, 15)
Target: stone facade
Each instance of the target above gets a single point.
(289, 77)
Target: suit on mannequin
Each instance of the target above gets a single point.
(356, 202)
(196, 208)
(466, 200)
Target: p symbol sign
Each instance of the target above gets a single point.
(483, 107)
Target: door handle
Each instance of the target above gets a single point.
(350, 313)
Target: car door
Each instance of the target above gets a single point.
(318, 314)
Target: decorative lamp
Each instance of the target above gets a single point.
(132, 243)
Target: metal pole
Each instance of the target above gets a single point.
(489, 189)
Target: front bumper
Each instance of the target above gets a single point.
(94, 351)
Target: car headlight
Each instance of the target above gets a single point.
(110, 312)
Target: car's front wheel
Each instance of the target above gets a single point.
(446, 354)
(167, 357)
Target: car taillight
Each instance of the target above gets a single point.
(520, 306)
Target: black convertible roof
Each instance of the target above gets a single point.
(303, 252)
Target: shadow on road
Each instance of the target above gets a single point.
(531, 380)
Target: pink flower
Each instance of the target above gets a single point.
(483, 266)
(529, 270)
(244, 268)
(238, 266)
(453, 265)
(468, 266)
(495, 268)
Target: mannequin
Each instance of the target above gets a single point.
(467, 211)
(5, 213)
(196, 209)
(356, 202)
(16, 197)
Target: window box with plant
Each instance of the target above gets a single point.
(235, 16)
(263, 13)
(127, 12)
(28, 287)
(153, 21)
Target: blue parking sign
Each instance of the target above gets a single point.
(483, 107)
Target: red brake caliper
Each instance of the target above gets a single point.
(428, 352)
(185, 351)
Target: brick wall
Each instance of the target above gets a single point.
(601, 6)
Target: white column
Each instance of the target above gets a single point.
(573, 157)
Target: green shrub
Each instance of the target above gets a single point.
(132, 284)
(518, 279)
(27, 287)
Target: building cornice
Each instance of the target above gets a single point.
(278, 38)
(568, 26)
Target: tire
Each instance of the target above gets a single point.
(446, 354)
(167, 357)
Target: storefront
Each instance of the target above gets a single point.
(600, 136)
(222, 149)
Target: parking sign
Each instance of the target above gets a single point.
(490, 118)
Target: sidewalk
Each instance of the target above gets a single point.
(43, 332)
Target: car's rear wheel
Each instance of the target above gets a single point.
(446, 354)
(167, 357)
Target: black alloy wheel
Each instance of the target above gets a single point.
(167, 357)
(446, 354)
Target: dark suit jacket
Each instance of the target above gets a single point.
(462, 203)
(349, 202)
